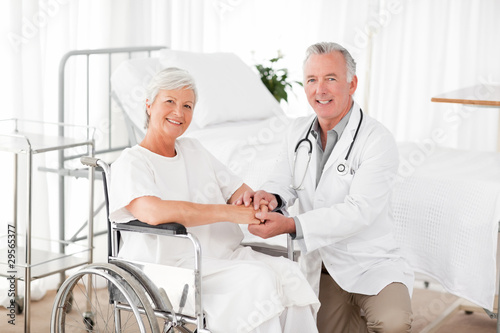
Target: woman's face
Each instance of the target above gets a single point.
(171, 112)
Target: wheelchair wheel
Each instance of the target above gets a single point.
(19, 305)
(85, 304)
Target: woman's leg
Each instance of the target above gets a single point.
(298, 319)
(272, 325)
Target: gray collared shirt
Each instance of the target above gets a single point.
(333, 136)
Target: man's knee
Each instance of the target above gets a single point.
(392, 321)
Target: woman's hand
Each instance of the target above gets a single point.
(243, 214)
(246, 214)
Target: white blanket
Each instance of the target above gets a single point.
(446, 209)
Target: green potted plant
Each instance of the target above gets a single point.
(276, 80)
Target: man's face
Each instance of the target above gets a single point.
(326, 87)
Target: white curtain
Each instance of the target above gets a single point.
(407, 52)
(22, 92)
(429, 48)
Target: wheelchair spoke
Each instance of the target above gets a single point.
(92, 307)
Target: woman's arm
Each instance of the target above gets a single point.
(154, 211)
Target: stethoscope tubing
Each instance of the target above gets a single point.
(341, 168)
(355, 134)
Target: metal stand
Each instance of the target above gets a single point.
(26, 264)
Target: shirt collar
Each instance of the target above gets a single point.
(339, 128)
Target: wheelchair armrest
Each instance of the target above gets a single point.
(165, 228)
(272, 250)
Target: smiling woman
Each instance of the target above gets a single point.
(169, 116)
(171, 97)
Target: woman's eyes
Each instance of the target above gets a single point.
(171, 101)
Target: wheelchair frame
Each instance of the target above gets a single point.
(140, 297)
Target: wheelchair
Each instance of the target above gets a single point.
(119, 296)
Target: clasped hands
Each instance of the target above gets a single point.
(268, 223)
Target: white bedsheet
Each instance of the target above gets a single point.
(445, 202)
(249, 148)
(447, 216)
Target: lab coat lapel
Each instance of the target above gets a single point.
(311, 171)
(314, 164)
(340, 150)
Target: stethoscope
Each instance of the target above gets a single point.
(342, 168)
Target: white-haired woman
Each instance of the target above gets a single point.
(169, 178)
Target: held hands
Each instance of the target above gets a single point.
(246, 214)
(260, 201)
(255, 198)
(271, 224)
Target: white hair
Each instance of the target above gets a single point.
(330, 47)
(171, 78)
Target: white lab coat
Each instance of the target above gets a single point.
(346, 220)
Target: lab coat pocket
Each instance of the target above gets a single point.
(343, 183)
(332, 189)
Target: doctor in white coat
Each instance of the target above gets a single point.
(344, 225)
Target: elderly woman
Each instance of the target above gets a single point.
(169, 178)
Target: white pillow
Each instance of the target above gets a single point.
(228, 90)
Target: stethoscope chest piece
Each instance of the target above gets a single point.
(342, 169)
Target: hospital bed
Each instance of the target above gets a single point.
(445, 201)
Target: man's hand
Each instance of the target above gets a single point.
(275, 224)
(264, 208)
(256, 197)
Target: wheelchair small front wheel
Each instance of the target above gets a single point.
(88, 320)
(102, 298)
(19, 305)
